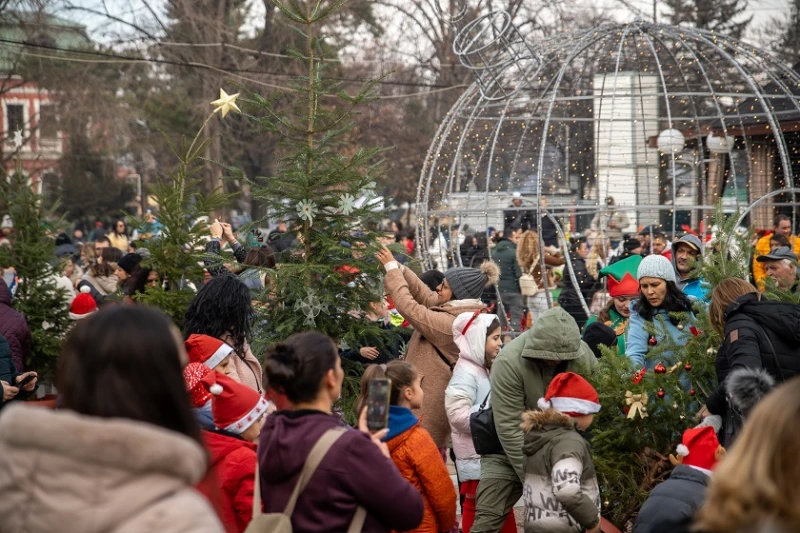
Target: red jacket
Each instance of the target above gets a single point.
(233, 465)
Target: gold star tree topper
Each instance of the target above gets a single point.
(226, 103)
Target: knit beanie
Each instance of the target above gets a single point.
(656, 266)
(235, 407)
(83, 305)
(198, 393)
(570, 394)
(129, 262)
(468, 283)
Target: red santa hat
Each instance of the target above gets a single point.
(207, 350)
(699, 447)
(198, 393)
(83, 305)
(571, 394)
(235, 407)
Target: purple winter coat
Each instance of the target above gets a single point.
(353, 473)
(14, 328)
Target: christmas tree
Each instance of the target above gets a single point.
(31, 254)
(645, 413)
(175, 240)
(325, 189)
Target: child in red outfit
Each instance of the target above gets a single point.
(239, 413)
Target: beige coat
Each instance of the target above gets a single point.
(433, 326)
(64, 472)
(248, 370)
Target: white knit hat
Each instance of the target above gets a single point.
(656, 266)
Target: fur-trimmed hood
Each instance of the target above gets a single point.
(549, 417)
(61, 471)
(541, 427)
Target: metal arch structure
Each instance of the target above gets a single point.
(579, 117)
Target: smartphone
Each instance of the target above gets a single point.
(378, 404)
(27, 379)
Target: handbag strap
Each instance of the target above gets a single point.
(483, 403)
(533, 265)
(772, 349)
(315, 457)
(318, 452)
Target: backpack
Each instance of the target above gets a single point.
(282, 522)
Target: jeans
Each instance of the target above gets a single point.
(512, 303)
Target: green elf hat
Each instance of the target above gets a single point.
(622, 276)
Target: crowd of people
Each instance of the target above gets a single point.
(186, 430)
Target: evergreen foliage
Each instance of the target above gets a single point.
(325, 189)
(631, 454)
(178, 251)
(722, 16)
(32, 255)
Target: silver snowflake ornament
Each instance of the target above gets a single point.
(306, 211)
(347, 203)
(310, 306)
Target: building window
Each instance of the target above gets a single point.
(48, 122)
(15, 117)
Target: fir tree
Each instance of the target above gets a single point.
(784, 34)
(325, 188)
(177, 251)
(32, 255)
(722, 16)
(631, 452)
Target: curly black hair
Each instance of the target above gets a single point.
(221, 307)
(675, 301)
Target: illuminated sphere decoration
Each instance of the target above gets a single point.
(666, 120)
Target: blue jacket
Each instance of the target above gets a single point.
(695, 288)
(637, 344)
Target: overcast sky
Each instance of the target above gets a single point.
(137, 11)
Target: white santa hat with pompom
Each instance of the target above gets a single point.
(83, 304)
(235, 407)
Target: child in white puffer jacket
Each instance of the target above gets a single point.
(478, 337)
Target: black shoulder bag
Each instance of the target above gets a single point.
(484, 434)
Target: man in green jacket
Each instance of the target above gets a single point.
(505, 255)
(520, 376)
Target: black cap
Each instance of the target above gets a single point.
(597, 334)
(777, 254)
(129, 262)
(631, 244)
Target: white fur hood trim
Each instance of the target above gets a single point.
(116, 443)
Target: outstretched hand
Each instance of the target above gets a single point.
(384, 255)
(376, 437)
(227, 232)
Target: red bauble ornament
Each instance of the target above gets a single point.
(691, 392)
(626, 410)
(687, 367)
(660, 369)
(696, 332)
(660, 393)
(638, 376)
(652, 341)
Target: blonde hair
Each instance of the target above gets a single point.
(757, 483)
(723, 295)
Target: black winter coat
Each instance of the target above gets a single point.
(671, 506)
(747, 321)
(587, 285)
(14, 328)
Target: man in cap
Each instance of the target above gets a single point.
(685, 252)
(517, 217)
(782, 225)
(781, 265)
(520, 376)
